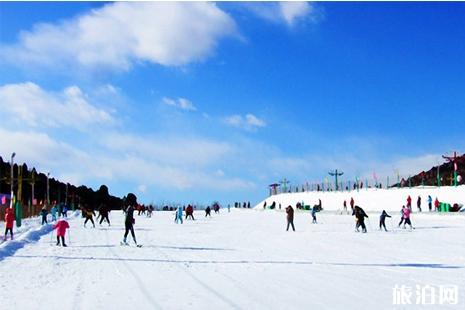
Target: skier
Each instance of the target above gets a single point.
(419, 204)
(229, 208)
(436, 204)
(64, 211)
(131, 201)
(149, 211)
(53, 212)
(352, 203)
(409, 202)
(360, 216)
(290, 217)
(103, 212)
(207, 211)
(345, 206)
(9, 219)
(401, 216)
(178, 215)
(61, 227)
(190, 212)
(89, 215)
(58, 206)
(430, 203)
(382, 220)
(406, 217)
(314, 211)
(43, 213)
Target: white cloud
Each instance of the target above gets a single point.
(29, 104)
(118, 35)
(180, 103)
(288, 12)
(247, 122)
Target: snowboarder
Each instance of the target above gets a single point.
(406, 217)
(9, 219)
(419, 204)
(131, 201)
(103, 213)
(430, 203)
(43, 213)
(61, 227)
(314, 211)
(382, 220)
(290, 217)
(89, 215)
(208, 211)
(178, 215)
(53, 212)
(360, 216)
(190, 212)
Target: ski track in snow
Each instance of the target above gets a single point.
(239, 260)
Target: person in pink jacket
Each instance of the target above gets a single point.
(406, 216)
(61, 227)
(9, 219)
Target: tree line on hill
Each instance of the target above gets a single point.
(26, 179)
(430, 177)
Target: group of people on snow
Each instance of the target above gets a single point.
(360, 214)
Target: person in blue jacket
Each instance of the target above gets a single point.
(430, 203)
(53, 212)
(382, 220)
(179, 215)
(64, 210)
(314, 211)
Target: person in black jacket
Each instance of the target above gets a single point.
(290, 218)
(207, 211)
(131, 201)
(382, 220)
(360, 215)
(43, 213)
(103, 213)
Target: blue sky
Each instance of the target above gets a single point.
(204, 101)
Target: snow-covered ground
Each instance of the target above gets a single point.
(371, 199)
(239, 260)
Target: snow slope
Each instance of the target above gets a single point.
(239, 260)
(371, 199)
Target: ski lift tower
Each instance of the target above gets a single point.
(336, 174)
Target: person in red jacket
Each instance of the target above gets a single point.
(61, 227)
(409, 202)
(9, 219)
(436, 204)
